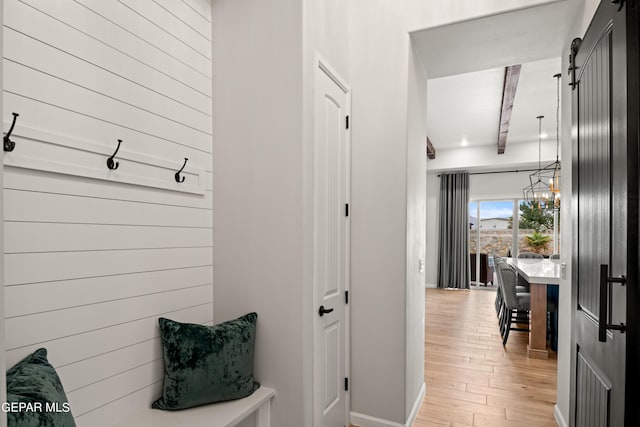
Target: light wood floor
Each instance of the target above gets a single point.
(472, 380)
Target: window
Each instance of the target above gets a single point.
(493, 235)
(492, 231)
(537, 229)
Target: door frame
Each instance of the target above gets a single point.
(321, 65)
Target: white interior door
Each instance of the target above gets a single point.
(331, 249)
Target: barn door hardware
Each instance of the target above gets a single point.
(111, 164)
(604, 316)
(575, 45)
(9, 145)
(177, 175)
(620, 4)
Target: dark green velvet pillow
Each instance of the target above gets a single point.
(35, 394)
(206, 364)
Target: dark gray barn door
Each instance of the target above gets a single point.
(604, 237)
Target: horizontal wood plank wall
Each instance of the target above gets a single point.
(90, 264)
(3, 390)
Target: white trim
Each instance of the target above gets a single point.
(368, 421)
(431, 285)
(416, 405)
(323, 65)
(557, 414)
(195, 177)
(332, 74)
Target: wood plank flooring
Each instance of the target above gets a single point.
(471, 379)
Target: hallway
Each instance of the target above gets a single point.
(471, 379)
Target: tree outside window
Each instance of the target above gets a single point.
(536, 228)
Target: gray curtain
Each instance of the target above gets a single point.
(453, 238)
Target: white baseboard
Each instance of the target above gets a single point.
(367, 421)
(430, 285)
(416, 405)
(559, 418)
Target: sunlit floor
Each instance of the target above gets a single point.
(472, 380)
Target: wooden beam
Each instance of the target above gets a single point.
(511, 76)
(431, 151)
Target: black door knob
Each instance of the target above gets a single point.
(323, 310)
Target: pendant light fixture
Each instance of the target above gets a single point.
(538, 192)
(555, 182)
(544, 188)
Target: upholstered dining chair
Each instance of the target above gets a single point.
(530, 255)
(527, 255)
(552, 309)
(516, 305)
(499, 301)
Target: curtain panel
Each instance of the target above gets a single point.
(453, 236)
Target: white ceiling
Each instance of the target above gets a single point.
(465, 65)
(516, 37)
(468, 106)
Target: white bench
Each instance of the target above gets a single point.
(223, 414)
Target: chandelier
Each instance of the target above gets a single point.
(543, 190)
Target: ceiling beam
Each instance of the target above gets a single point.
(511, 76)
(431, 151)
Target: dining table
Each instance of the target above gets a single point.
(540, 273)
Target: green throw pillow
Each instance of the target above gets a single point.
(206, 364)
(35, 397)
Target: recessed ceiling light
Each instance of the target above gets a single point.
(543, 135)
(464, 142)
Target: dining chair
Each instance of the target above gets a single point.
(530, 255)
(527, 255)
(499, 301)
(552, 316)
(516, 305)
(497, 260)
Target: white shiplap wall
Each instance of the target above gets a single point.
(3, 388)
(93, 257)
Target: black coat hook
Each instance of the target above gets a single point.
(110, 163)
(9, 145)
(177, 175)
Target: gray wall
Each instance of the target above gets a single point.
(416, 234)
(258, 188)
(263, 218)
(380, 52)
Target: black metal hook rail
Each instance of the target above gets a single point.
(112, 164)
